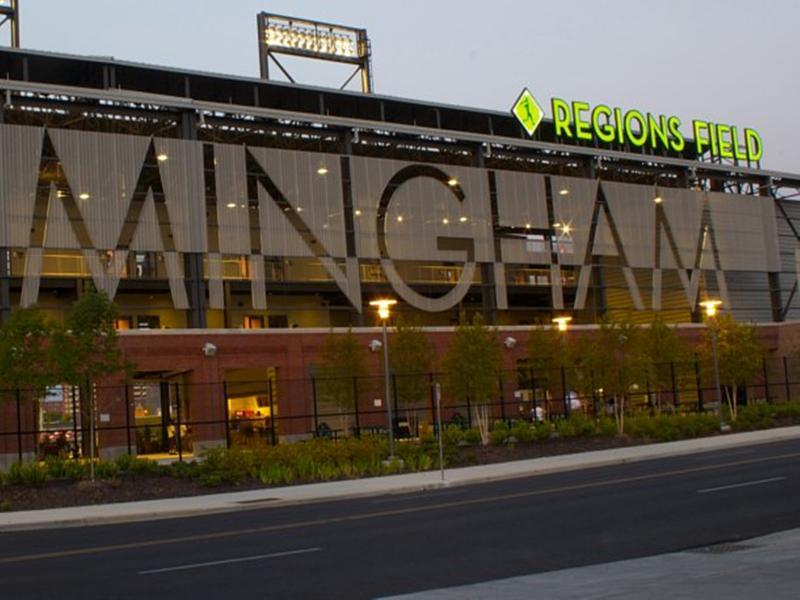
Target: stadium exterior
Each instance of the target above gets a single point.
(206, 205)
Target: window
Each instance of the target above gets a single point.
(253, 322)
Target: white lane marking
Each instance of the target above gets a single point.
(739, 485)
(229, 561)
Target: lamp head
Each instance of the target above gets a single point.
(711, 307)
(562, 322)
(383, 305)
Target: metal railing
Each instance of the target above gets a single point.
(177, 417)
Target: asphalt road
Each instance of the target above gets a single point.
(398, 544)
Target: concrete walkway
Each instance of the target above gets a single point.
(394, 484)
(758, 568)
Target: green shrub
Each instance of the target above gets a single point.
(106, 469)
(499, 433)
(565, 428)
(5, 505)
(472, 436)
(582, 424)
(543, 431)
(522, 431)
(27, 474)
(453, 435)
(55, 467)
(607, 427)
(75, 470)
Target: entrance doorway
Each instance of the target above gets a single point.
(162, 415)
(251, 397)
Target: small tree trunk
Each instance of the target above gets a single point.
(481, 415)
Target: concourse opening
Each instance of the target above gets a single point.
(252, 406)
(162, 413)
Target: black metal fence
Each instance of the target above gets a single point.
(178, 417)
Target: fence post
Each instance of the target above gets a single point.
(766, 379)
(314, 402)
(675, 400)
(75, 447)
(502, 399)
(396, 401)
(128, 417)
(594, 396)
(355, 406)
(433, 397)
(19, 427)
(178, 418)
(271, 413)
(469, 414)
(533, 396)
(564, 393)
(226, 414)
(786, 379)
(700, 405)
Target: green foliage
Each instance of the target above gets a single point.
(410, 358)
(615, 358)
(26, 360)
(472, 368)
(661, 347)
(5, 505)
(88, 347)
(606, 427)
(763, 416)
(522, 432)
(500, 433)
(133, 465)
(106, 469)
(472, 436)
(472, 362)
(20, 473)
(740, 353)
(342, 358)
(666, 428)
(542, 431)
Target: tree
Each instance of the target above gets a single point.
(619, 365)
(663, 348)
(342, 362)
(740, 353)
(26, 360)
(410, 357)
(472, 365)
(86, 350)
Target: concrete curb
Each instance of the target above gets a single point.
(393, 484)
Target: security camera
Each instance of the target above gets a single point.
(209, 349)
(509, 342)
(375, 345)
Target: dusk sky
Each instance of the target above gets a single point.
(728, 61)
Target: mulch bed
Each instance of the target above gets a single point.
(56, 494)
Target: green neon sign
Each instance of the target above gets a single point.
(580, 121)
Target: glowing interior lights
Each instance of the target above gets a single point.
(358, 213)
(563, 192)
(84, 196)
(399, 218)
(162, 157)
(658, 199)
(445, 221)
(323, 170)
(452, 182)
(231, 205)
(562, 323)
(463, 219)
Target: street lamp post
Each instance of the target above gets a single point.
(383, 306)
(712, 307)
(563, 324)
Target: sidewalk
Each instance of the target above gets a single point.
(757, 568)
(394, 484)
